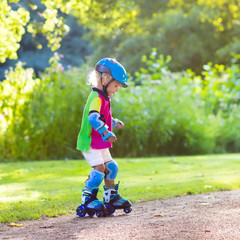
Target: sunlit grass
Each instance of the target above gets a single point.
(30, 190)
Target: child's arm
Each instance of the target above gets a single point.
(117, 123)
(96, 122)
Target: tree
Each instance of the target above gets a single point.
(193, 32)
(12, 25)
(103, 17)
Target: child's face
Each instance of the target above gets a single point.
(113, 87)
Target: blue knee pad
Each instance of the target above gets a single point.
(112, 168)
(95, 179)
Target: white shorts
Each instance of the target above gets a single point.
(97, 156)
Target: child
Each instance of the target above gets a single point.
(96, 137)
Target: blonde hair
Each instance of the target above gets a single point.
(94, 77)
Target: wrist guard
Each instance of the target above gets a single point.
(109, 134)
(115, 122)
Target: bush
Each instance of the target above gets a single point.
(40, 118)
(164, 112)
(163, 115)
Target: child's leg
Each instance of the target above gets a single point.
(95, 178)
(90, 203)
(110, 168)
(111, 171)
(112, 199)
(95, 160)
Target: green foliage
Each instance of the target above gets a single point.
(32, 111)
(12, 25)
(192, 32)
(179, 113)
(31, 190)
(164, 117)
(53, 28)
(102, 17)
(164, 112)
(36, 54)
(220, 87)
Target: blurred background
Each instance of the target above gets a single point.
(182, 58)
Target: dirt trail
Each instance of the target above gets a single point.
(210, 216)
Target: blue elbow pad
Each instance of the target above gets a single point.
(94, 119)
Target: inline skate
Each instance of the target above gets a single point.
(90, 204)
(113, 200)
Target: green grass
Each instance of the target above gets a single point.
(30, 190)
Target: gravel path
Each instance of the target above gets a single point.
(209, 216)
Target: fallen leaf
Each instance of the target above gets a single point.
(159, 215)
(204, 203)
(208, 197)
(12, 224)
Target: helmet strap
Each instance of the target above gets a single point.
(105, 87)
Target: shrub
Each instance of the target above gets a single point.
(163, 115)
(40, 118)
(164, 112)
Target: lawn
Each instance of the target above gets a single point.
(31, 190)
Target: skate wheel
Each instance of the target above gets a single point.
(99, 214)
(110, 209)
(90, 213)
(127, 210)
(81, 211)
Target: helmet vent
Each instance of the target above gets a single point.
(112, 60)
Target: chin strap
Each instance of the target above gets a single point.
(105, 87)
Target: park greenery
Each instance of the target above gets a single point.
(31, 190)
(193, 33)
(48, 19)
(183, 98)
(164, 112)
(183, 65)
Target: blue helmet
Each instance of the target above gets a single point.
(114, 68)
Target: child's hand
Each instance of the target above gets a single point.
(120, 125)
(116, 123)
(112, 138)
